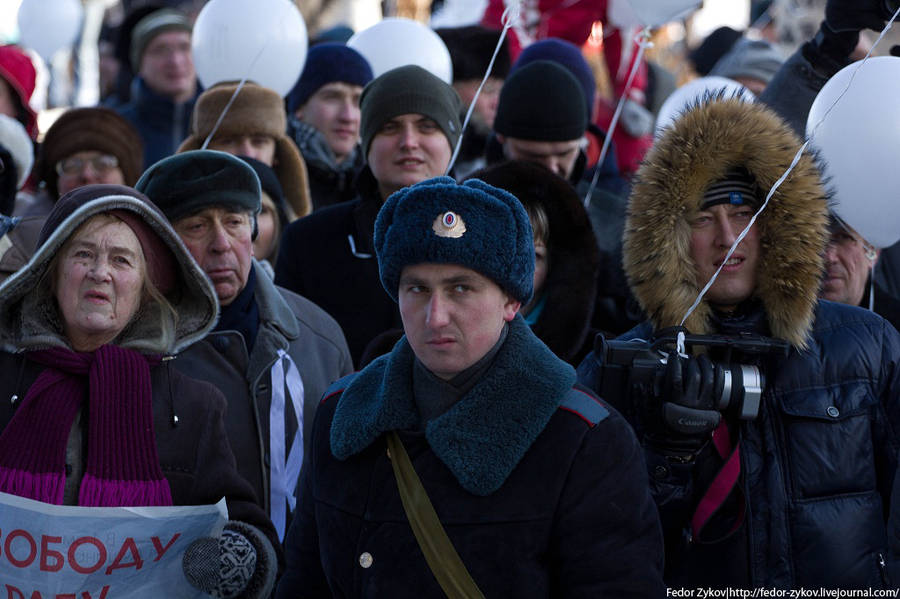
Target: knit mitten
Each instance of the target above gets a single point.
(226, 567)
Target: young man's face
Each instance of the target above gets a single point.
(452, 315)
(557, 156)
(713, 231)
(219, 240)
(407, 149)
(259, 146)
(334, 111)
(167, 66)
(846, 267)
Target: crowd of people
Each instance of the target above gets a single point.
(536, 370)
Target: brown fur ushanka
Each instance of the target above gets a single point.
(694, 152)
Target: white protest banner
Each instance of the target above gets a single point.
(69, 552)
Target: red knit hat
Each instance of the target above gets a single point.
(18, 71)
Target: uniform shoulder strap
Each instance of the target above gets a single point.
(338, 386)
(584, 405)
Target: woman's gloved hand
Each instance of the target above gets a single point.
(229, 566)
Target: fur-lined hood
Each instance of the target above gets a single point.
(30, 319)
(696, 151)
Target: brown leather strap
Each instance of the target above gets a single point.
(445, 563)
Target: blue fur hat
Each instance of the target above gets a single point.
(327, 63)
(471, 224)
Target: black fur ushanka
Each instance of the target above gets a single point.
(694, 152)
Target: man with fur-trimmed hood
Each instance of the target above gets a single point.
(796, 494)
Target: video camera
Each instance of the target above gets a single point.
(636, 368)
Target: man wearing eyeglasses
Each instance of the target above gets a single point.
(849, 262)
(165, 89)
(84, 146)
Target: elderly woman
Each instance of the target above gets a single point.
(92, 414)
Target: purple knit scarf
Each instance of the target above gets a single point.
(122, 462)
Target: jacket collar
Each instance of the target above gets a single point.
(277, 324)
(149, 102)
(477, 439)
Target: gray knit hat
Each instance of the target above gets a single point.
(472, 224)
(756, 59)
(165, 19)
(409, 90)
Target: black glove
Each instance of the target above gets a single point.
(687, 415)
(856, 15)
(222, 567)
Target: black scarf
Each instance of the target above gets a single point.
(242, 315)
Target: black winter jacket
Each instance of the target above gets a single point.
(539, 486)
(817, 463)
(328, 257)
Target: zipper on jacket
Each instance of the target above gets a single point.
(882, 567)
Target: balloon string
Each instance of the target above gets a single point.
(506, 19)
(793, 164)
(234, 96)
(643, 40)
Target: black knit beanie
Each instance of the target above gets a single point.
(187, 183)
(541, 101)
(409, 90)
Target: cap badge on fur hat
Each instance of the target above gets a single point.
(449, 224)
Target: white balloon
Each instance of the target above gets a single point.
(396, 42)
(264, 40)
(859, 141)
(47, 26)
(694, 91)
(654, 13)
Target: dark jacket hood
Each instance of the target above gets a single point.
(29, 318)
(571, 286)
(696, 151)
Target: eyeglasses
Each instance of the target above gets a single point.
(102, 164)
(843, 238)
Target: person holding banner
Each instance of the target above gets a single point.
(771, 432)
(94, 414)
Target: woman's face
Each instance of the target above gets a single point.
(268, 225)
(99, 282)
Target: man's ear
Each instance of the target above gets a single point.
(511, 308)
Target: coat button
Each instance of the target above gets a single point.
(365, 559)
(833, 411)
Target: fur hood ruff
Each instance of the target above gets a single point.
(696, 151)
(485, 434)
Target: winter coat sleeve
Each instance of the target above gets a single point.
(794, 87)
(607, 540)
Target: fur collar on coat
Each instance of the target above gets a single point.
(695, 152)
(484, 435)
